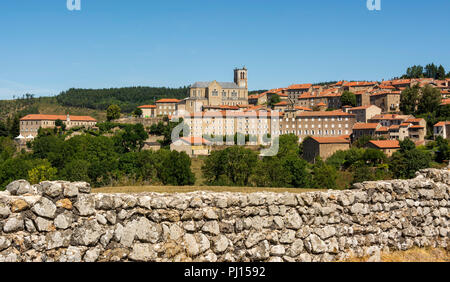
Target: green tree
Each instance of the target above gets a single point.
(348, 99)
(175, 169)
(431, 71)
(414, 72)
(298, 169)
(270, 172)
(76, 170)
(443, 150)
(429, 100)
(274, 99)
(235, 167)
(409, 99)
(405, 162)
(325, 176)
(41, 173)
(137, 112)
(113, 112)
(440, 73)
(131, 139)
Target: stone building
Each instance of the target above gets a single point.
(387, 146)
(214, 93)
(442, 129)
(389, 102)
(364, 113)
(364, 129)
(148, 111)
(324, 147)
(30, 124)
(317, 123)
(166, 107)
(192, 146)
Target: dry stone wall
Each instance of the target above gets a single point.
(62, 221)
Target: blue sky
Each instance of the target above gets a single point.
(45, 48)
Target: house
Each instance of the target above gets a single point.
(148, 111)
(364, 129)
(30, 124)
(388, 101)
(192, 146)
(442, 129)
(364, 113)
(324, 147)
(387, 146)
(166, 107)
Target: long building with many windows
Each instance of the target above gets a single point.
(30, 124)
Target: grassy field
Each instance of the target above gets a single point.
(413, 255)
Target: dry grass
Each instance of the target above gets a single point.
(413, 255)
(187, 189)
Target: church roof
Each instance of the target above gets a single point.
(205, 84)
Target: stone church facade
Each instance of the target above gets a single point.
(214, 93)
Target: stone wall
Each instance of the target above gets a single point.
(62, 221)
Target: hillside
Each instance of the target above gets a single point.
(44, 105)
(128, 98)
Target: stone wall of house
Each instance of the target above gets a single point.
(62, 221)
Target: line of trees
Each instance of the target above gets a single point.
(127, 98)
(94, 158)
(430, 71)
(238, 166)
(424, 102)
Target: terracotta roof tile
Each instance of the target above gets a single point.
(56, 117)
(362, 126)
(147, 107)
(386, 144)
(168, 101)
(331, 140)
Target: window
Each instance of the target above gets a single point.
(215, 93)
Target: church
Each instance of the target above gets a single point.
(214, 93)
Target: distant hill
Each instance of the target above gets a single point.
(127, 98)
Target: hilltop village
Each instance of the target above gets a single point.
(328, 117)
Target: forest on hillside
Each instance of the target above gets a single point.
(127, 98)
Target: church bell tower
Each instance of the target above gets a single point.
(240, 77)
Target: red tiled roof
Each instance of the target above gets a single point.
(168, 101)
(361, 107)
(321, 104)
(56, 117)
(331, 140)
(361, 126)
(382, 129)
(386, 116)
(445, 102)
(442, 123)
(302, 108)
(147, 107)
(386, 144)
(282, 103)
(325, 114)
(195, 140)
(401, 81)
(394, 127)
(300, 86)
(359, 83)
